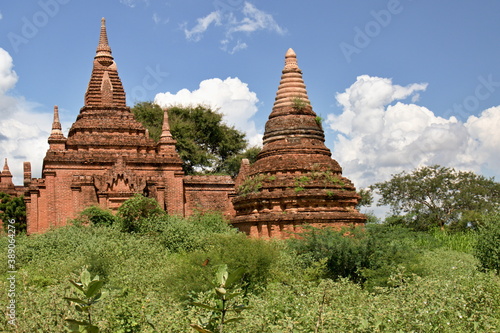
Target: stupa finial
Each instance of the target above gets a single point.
(56, 124)
(103, 49)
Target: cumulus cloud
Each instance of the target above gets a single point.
(246, 20)
(378, 134)
(23, 132)
(231, 97)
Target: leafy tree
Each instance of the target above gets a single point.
(204, 142)
(12, 207)
(151, 116)
(232, 164)
(439, 196)
(366, 198)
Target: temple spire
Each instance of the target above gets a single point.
(291, 96)
(56, 125)
(103, 51)
(105, 88)
(6, 170)
(167, 142)
(165, 128)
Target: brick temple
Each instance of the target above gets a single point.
(294, 180)
(108, 157)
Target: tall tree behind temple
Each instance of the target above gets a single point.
(204, 142)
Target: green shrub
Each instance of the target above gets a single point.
(364, 255)
(487, 249)
(95, 216)
(135, 211)
(194, 270)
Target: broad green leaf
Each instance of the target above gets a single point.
(94, 288)
(230, 296)
(92, 329)
(208, 307)
(235, 276)
(221, 275)
(232, 320)
(75, 300)
(220, 291)
(240, 308)
(76, 322)
(78, 286)
(200, 329)
(82, 308)
(85, 277)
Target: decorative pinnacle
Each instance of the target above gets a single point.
(165, 129)
(6, 170)
(291, 88)
(103, 49)
(56, 124)
(291, 61)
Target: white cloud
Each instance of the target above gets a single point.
(253, 20)
(246, 20)
(239, 46)
(23, 132)
(231, 97)
(158, 20)
(196, 33)
(377, 134)
(8, 77)
(1, 16)
(133, 3)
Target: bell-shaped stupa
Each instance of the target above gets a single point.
(294, 181)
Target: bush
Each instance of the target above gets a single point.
(189, 234)
(194, 271)
(135, 211)
(364, 255)
(95, 216)
(487, 249)
(345, 251)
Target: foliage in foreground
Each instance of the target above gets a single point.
(364, 255)
(225, 294)
(153, 277)
(487, 249)
(89, 290)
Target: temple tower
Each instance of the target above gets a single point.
(6, 184)
(106, 158)
(294, 180)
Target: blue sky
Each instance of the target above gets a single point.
(400, 84)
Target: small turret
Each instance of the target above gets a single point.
(56, 139)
